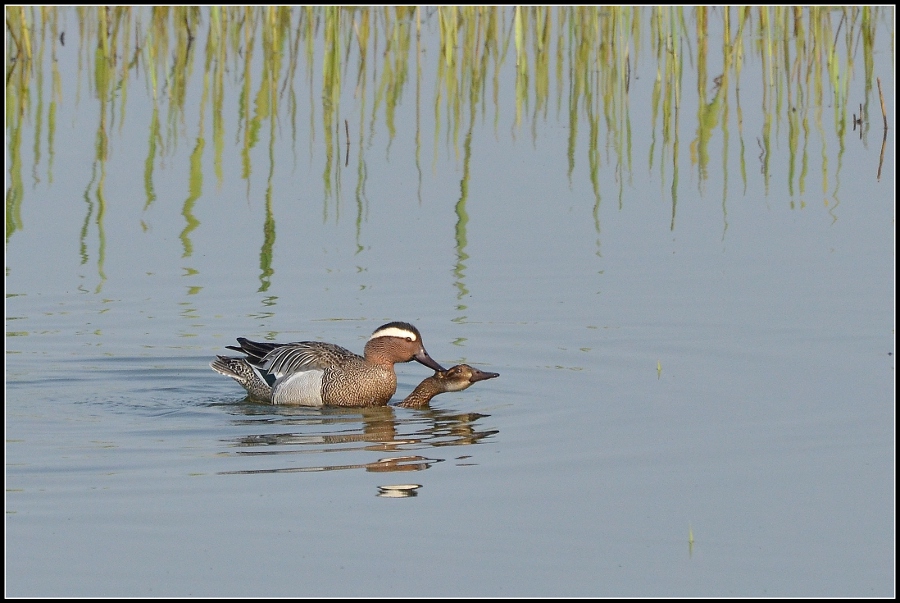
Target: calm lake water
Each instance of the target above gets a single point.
(697, 379)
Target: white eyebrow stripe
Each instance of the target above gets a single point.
(394, 332)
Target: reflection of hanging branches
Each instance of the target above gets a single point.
(884, 136)
(881, 96)
(593, 74)
(762, 156)
(190, 35)
(627, 74)
(9, 29)
(347, 130)
(13, 59)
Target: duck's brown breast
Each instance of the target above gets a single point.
(358, 384)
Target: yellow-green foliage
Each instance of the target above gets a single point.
(577, 61)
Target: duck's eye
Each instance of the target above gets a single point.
(409, 339)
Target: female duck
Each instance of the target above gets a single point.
(454, 379)
(314, 373)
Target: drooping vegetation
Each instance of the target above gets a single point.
(572, 64)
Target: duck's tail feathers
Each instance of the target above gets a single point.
(248, 376)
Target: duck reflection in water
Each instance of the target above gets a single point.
(341, 434)
(378, 429)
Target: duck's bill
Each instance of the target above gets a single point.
(423, 358)
(481, 375)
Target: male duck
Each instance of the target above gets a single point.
(314, 373)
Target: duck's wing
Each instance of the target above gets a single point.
(305, 356)
(281, 359)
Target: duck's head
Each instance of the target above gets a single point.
(459, 377)
(399, 342)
